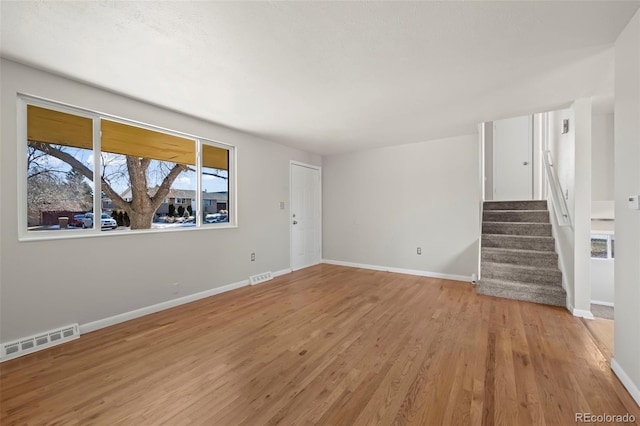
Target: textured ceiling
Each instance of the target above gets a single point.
(328, 77)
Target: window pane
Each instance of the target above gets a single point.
(599, 246)
(59, 169)
(215, 184)
(150, 177)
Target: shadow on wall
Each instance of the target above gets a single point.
(468, 256)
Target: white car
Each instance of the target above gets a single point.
(107, 221)
(216, 218)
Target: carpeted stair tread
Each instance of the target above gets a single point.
(517, 251)
(520, 257)
(515, 205)
(517, 228)
(529, 292)
(541, 269)
(519, 216)
(512, 272)
(526, 242)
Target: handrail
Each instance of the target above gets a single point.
(559, 202)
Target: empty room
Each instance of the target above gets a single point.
(310, 212)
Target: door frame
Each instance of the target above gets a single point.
(289, 218)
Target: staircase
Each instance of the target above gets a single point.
(518, 259)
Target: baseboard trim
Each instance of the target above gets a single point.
(417, 272)
(136, 313)
(633, 389)
(598, 302)
(582, 313)
(282, 272)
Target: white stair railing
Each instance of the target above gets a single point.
(557, 195)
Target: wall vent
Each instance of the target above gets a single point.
(260, 278)
(38, 342)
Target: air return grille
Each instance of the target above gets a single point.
(38, 342)
(260, 278)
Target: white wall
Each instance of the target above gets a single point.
(488, 160)
(47, 284)
(562, 147)
(381, 204)
(581, 219)
(602, 276)
(602, 157)
(571, 154)
(627, 182)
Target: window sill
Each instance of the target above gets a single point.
(70, 234)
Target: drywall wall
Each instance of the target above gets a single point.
(488, 160)
(47, 284)
(602, 159)
(562, 147)
(571, 154)
(602, 276)
(581, 218)
(627, 182)
(380, 205)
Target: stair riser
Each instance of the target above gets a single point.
(531, 229)
(547, 299)
(522, 276)
(515, 205)
(543, 259)
(512, 242)
(515, 216)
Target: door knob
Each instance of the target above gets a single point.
(295, 222)
(525, 163)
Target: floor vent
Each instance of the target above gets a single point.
(260, 278)
(38, 342)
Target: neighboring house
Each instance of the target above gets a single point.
(212, 202)
(108, 205)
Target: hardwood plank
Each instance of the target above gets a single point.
(325, 345)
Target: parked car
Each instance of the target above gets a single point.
(106, 221)
(76, 220)
(216, 218)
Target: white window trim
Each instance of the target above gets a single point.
(610, 237)
(24, 235)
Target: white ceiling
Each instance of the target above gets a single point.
(328, 77)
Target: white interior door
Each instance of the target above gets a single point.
(306, 244)
(512, 159)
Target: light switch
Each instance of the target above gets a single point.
(281, 205)
(634, 203)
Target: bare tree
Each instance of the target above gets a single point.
(52, 188)
(142, 206)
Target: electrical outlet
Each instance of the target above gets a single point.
(419, 250)
(281, 205)
(253, 257)
(175, 288)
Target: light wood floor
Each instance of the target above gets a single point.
(325, 345)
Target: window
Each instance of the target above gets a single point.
(149, 178)
(59, 169)
(602, 246)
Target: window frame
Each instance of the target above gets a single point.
(23, 100)
(610, 237)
